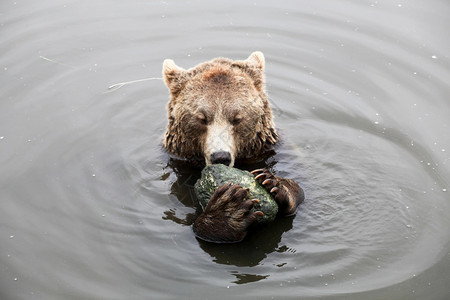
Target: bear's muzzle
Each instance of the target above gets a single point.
(219, 146)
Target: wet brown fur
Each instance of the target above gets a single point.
(234, 87)
(231, 93)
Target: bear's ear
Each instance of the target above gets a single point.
(257, 59)
(173, 75)
(254, 67)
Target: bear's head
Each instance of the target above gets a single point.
(219, 111)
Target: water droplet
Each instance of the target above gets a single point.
(15, 279)
(93, 175)
(103, 216)
(11, 236)
(444, 190)
(2, 137)
(443, 150)
(433, 56)
(399, 5)
(409, 226)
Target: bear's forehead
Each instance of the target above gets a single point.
(225, 99)
(218, 88)
(217, 109)
(220, 82)
(219, 73)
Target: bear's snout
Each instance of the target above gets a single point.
(221, 157)
(219, 145)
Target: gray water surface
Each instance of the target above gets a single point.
(92, 208)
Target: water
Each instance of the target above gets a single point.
(91, 207)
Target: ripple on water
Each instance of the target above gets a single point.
(359, 90)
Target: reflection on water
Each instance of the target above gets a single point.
(92, 208)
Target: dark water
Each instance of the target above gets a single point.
(91, 208)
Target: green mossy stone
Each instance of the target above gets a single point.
(214, 176)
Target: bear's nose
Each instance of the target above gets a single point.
(221, 157)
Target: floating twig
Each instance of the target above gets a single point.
(117, 86)
(55, 62)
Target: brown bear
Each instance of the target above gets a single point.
(219, 113)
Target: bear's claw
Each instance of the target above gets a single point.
(285, 192)
(274, 190)
(269, 184)
(248, 204)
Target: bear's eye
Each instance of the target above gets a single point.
(202, 119)
(236, 120)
